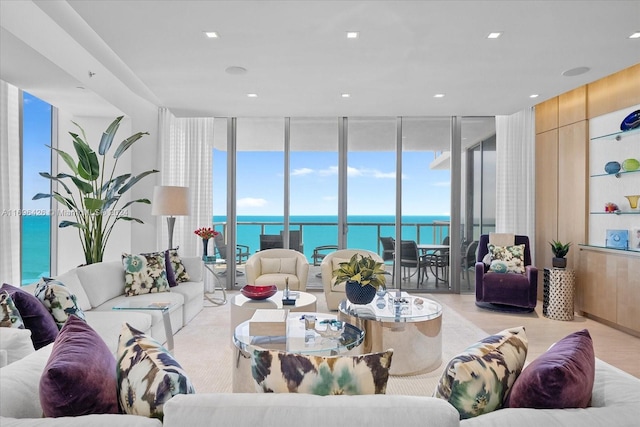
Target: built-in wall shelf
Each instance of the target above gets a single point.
(616, 175)
(615, 213)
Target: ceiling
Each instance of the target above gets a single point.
(299, 60)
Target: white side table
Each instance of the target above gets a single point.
(559, 284)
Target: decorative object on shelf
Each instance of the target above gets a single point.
(634, 244)
(632, 121)
(630, 165)
(633, 200)
(205, 234)
(559, 250)
(286, 297)
(95, 207)
(612, 168)
(611, 207)
(258, 292)
(362, 276)
(617, 239)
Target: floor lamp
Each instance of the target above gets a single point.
(171, 201)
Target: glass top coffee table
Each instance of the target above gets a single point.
(409, 324)
(330, 337)
(162, 307)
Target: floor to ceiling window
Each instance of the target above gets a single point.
(334, 182)
(36, 214)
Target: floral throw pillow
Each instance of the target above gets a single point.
(147, 374)
(512, 256)
(179, 271)
(9, 314)
(144, 274)
(280, 372)
(58, 299)
(477, 380)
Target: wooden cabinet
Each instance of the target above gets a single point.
(608, 286)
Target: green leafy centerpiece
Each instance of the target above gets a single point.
(363, 276)
(560, 250)
(94, 203)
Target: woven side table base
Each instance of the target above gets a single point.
(561, 292)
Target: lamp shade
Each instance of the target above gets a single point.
(169, 200)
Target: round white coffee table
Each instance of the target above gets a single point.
(242, 308)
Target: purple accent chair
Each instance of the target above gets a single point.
(510, 292)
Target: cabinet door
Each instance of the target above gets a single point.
(629, 292)
(546, 200)
(573, 146)
(596, 284)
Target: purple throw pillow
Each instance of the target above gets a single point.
(171, 275)
(560, 378)
(35, 316)
(80, 375)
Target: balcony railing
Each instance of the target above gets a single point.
(361, 235)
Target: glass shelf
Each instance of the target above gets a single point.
(617, 136)
(615, 213)
(617, 175)
(631, 251)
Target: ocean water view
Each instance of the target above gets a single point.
(36, 244)
(364, 231)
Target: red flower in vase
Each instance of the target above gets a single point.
(206, 232)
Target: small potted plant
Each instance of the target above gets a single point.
(559, 250)
(363, 276)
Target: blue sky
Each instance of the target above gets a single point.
(314, 184)
(36, 156)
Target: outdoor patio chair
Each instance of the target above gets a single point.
(242, 251)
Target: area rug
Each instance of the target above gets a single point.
(204, 350)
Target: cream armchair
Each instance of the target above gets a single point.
(335, 294)
(272, 266)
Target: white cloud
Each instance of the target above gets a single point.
(251, 202)
(302, 171)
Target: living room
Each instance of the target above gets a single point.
(116, 82)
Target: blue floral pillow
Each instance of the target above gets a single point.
(511, 256)
(477, 380)
(58, 299)
(9, 314)
(144, 274)
(279, 372)
(147, 374)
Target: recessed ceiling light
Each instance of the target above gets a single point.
(235, 70)
(346, 95)
(535, 95)
(353, 34)
(494, 35)
(211, 34)
(635, 35)
(252, 95)
(575, 71)
(439, 95)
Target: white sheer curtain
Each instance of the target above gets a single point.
(186, 150)
(515, 173)
(10, 177)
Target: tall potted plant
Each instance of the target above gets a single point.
(97, 193)
(363, 276)
(559, 250)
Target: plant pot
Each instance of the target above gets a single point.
(559, 262)
(357, 294)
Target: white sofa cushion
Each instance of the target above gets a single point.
(102, 281)
(295, 410)
(108, 324)
(101, 420)
(16, 343)
(19, 392)
(70, 280)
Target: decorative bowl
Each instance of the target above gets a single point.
(630, 165)
(258, 292)
(612, 167)
(632, 121)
